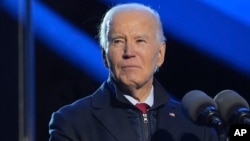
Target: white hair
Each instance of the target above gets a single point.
(104, 26)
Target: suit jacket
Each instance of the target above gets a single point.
(101, 117)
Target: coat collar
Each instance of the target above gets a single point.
(108, 102)
(110, 95)
(160, 94)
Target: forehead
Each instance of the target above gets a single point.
(130, 18)
(139, 13)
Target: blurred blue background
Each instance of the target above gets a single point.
(208, 48)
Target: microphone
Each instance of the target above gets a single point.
(233, 107)
(202, 110)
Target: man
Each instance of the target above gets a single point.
(133, 46)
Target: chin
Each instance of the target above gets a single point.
(128, 82)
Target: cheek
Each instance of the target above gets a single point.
(112, 58)
(151, 57)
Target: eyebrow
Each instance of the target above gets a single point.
(143, 36)
(118, 36)
(115, 36)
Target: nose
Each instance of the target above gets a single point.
(129, 50)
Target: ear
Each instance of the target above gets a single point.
(104, 58)
(161, 54)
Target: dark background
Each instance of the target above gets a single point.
(58, 82)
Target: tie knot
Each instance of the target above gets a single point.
(142, 107)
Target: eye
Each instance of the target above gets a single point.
(140, 41)
(117, 42)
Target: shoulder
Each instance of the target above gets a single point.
(174, 103)
(76, 108)
(84, 107)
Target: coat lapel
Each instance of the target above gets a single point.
(116, 123)
(111, 114)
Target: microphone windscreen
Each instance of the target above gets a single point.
(194, 102)
(228, 101)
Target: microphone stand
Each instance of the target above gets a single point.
(211, 117)
(220, 129)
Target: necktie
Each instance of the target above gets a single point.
(142, 107)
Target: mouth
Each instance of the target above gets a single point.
(130, 67)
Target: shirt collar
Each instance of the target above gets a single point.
(149, 100)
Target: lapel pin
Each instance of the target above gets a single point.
(172, 114)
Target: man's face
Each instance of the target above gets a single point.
(134, 50)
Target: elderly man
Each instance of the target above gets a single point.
(131, 105)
